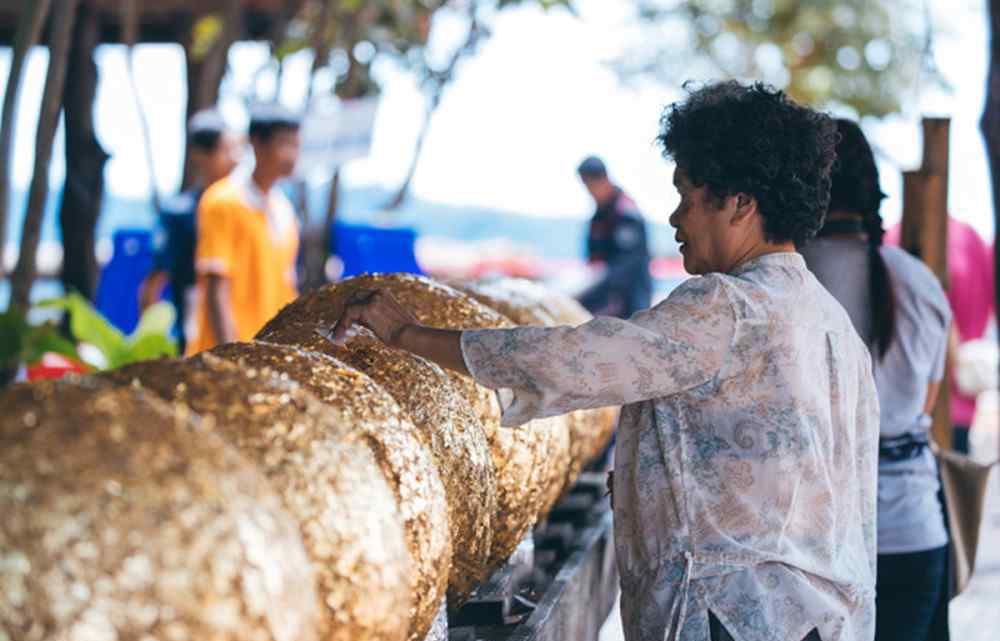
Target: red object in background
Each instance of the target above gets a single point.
(54, 366)
(667, 267)
(515, 266)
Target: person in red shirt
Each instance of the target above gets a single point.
(970, 293)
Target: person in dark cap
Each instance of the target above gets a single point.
(248, 238)
(214, 149)
(617, 242)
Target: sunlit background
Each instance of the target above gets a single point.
(496, 173)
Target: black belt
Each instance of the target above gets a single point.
(902, 447)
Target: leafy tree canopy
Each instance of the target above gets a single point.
(861, 54)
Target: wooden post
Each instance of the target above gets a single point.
(924, 234)
(85, 158)
(936, 141)
(29, 30)
(204, 75)
(48, 120)
(989, 125)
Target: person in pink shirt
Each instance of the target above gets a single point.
(970, 293)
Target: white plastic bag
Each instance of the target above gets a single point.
(976, 371)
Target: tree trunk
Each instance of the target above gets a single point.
(205, 75)
(131, 31)
(437, 81)
(48, 121)
(320, 47)
(85, 158)
(990, 126)
(404, 188)
(29, 30)
(316, 241)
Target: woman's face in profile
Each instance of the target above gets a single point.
(703, 228)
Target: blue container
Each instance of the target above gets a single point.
(364, 248)
(118, 289)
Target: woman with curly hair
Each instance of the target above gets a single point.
(901, 311)
(744, 488)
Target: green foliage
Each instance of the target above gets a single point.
(21, 342)
(204, 34)
(151, 338)
(861, 54)
(351, 34)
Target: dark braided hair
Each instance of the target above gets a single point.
(855, 190)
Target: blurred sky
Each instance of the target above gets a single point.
(518, 118)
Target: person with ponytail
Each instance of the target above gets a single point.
(900, 310)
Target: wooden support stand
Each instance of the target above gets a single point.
(569, 591)
(924, 233)
(490, 604)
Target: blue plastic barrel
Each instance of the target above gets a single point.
(365, 248)
(118, 289)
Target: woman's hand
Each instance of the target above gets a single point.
(389, 321)
(379, 312)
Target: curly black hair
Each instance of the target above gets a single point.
(753, 139)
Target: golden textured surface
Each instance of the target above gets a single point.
(524, 302)
(512, 297)
(123, 519)
(532, 304)
(372, 415)
(328, 479)
(514, 451)
(447, 426)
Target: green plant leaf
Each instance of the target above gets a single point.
(13, 333)
(46, 338)
(157, 319)
(147, 347)
(204, 34)
(88, 326)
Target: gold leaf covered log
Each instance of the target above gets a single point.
(447, 425)
(529, 303)
(365, 406)
(512, 297)
(515, 452)
(124, 519)
(516, 299)
(330, 481)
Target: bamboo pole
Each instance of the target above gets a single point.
(29, 30)
(48, 120)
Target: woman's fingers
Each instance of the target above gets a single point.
(376, 310)
(344, 323)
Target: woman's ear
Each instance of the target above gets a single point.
(746, 207)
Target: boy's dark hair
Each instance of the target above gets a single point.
(592, 167)
(205, 128)
(267, 120)
(752, 139)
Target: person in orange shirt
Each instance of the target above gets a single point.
(248, 238)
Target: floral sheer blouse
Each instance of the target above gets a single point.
(747, 451)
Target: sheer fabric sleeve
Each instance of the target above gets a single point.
(544, 371)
